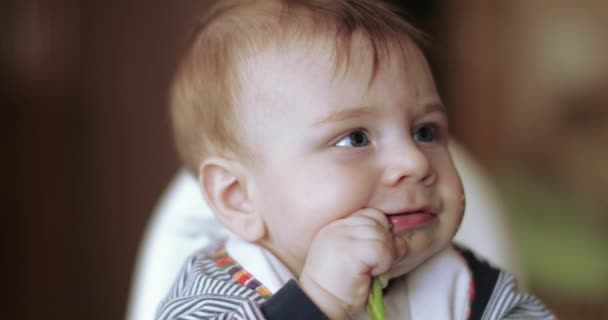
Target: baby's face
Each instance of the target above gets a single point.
(328, 143)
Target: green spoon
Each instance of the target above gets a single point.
(375, 302)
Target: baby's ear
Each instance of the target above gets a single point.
(224, 185)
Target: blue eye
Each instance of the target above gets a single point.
(355, 139)
(428, 132)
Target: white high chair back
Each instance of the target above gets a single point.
(182, 223)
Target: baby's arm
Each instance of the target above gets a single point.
(335, 280)
(343, 258)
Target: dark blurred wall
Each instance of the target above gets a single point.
(88, 151)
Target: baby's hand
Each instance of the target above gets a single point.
(343, 258)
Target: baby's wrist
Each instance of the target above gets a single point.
(329, 304)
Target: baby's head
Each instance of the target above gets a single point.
(297, 113)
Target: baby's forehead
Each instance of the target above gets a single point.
(308, 62)
(308, 72)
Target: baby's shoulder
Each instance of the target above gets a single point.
(494, 293)
(205, 283)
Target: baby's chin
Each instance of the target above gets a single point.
(421, 247)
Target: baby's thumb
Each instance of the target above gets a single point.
(400, 247)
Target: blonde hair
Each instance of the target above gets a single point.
(206, 86)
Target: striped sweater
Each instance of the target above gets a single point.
(212, 285)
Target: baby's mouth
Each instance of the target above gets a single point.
(410, 220)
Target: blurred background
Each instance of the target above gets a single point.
(88, 150)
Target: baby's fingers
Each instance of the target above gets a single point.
(376, 215)
(377, 255)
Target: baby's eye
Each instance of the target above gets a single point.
(427, 132)
(355, 139)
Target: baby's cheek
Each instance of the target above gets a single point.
(454, 203)
(338, 202)
(460, 215)
(455, 210)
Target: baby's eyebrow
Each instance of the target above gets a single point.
(345, 114)
(435, 106)
(359, 112)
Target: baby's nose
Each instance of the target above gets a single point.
(408, 162)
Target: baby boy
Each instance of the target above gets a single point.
(320, 140)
